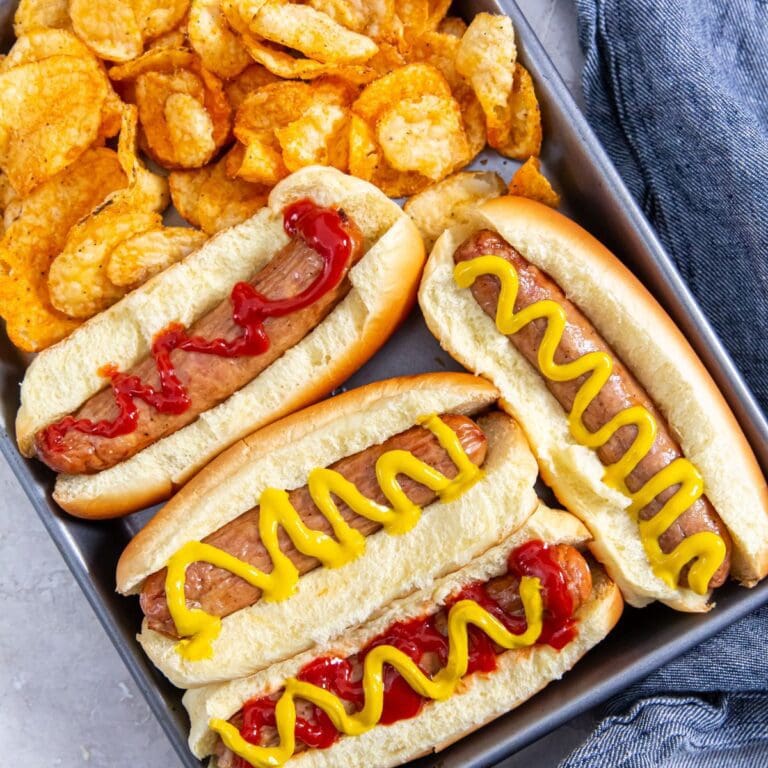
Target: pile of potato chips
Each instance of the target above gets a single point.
(225, 97)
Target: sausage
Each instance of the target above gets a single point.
(208, 379)
(504, 589)
(220, 593)
(621, 391)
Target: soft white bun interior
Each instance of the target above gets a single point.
(480, 699)
(383, 284)
(647, 341)
(327, 601)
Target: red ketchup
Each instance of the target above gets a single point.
(321, 228)
(417, 638)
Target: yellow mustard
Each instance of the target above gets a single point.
(198, 628)
(706, 547)
(437, 688)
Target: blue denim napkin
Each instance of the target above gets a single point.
(677, 91)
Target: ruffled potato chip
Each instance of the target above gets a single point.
(530, 182)
(525, 137)
(108, 27)
(425, 134)
(41, 14)
(450, 202)
(217, 45)
(486, 58)
(133, 261)
(50, 113)
(319, 137)
(36, 234)
(77, 280)
(157, 17)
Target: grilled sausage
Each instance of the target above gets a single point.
(208, 379)
(621, 391)
(220, 593)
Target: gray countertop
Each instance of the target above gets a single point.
(65, 697)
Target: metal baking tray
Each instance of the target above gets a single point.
(595, 196)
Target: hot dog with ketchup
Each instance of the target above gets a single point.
(628, 427)
(434, 667)
(264, 318)
(320, 520)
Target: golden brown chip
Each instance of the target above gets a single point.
(157, 17)
(41, 14)
(176, 38)
(155, 60)
(224, 202)
(451, 201)
(313, 33)
(369, 17)
(190, 130)
(452, 25)
(486, 58)
(530, 182)
(37, 233)
(525, 137)
(135, 260)
(108, 27)
(50, 113)
(425, 134)
(185, 189)
(77, 280)
(217, 45)
(320, 136)
(247, 82)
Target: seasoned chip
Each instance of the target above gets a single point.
(156, 17)
(37, 233)
(155, 60)
(217, 45)
(451, 202)
(185, 189)
(525, 138)
(319, 136)
(425, 134)
(247, 82)
(486, 58)
(41, 14)
(262, 162)
(311, 32)
(190, 130)
(474, 120)
(138, 258)
(530, 182)
(369, 17)
(176, 38)
(452, 25)
(42, 43)
(109, 27)
(50, 113)
(225, 202)
(440, 51)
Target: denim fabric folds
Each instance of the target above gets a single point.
(677, 91)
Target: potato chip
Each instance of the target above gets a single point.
(77, 280)
(176, 38)
(37, 233)
(440, 51)
(452, 25)
(216, 105)
(138, 258)
(369, 17)
(155, 60)
(261, 163)
(525, 137)
(278, 61)
(156, 17)
(224, 202)
(190, 130)
(50, 113)
(486, 58)
(247, 82)
(530, 182)
(318, 137)
(41, 14)
(425, 134)
(108, 27)
(217, 45)
(313, 33)
(185, 189)
(450, 202)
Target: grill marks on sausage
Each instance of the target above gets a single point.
(621, 391)
(208, 379)
(220, 593)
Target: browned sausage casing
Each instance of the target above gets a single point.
(621, 391)
(220, 593)
(208, 379)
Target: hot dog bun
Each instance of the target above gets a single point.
(481, 697)
(327, 601)
(62, 377)
(652, 347)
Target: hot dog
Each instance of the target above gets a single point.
(434, 692)
(320, 520)
(627, 425)
(264, 318)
